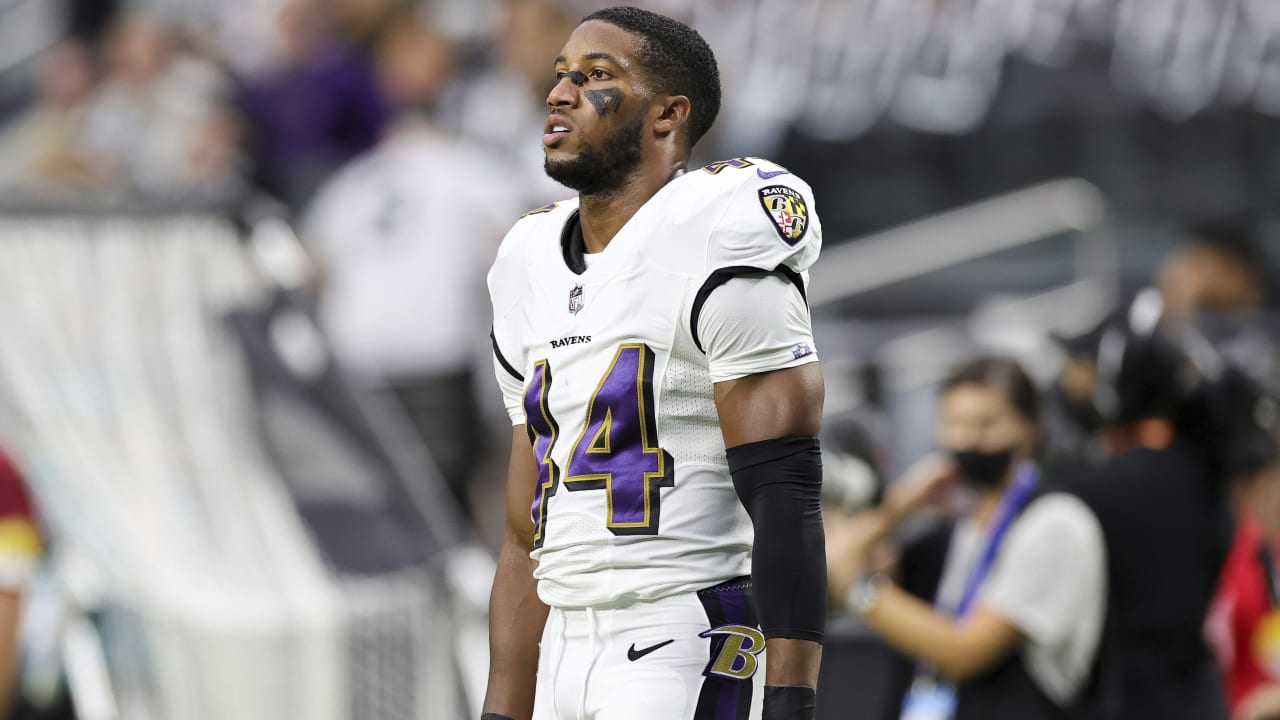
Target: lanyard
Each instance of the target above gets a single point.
(1024, 483)
(928, 699)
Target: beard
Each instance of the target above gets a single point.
(601, 171)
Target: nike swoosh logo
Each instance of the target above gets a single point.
(633, 654)
(766, 175)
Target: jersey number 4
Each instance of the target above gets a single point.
(617, 450)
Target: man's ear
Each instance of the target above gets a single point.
(673, 114)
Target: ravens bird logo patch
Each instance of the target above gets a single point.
(787, 209)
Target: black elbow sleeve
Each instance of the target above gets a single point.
(779, 482)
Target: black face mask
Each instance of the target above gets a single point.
(981, 469)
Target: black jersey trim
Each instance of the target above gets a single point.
(724, 275)
(502, 360)
(572, 246)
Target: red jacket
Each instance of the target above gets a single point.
(1241, 603)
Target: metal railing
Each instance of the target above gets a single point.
(968, 233)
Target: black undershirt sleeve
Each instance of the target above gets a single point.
(779, 482)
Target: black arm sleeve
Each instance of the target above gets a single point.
(780, 483)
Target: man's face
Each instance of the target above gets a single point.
(598, 108)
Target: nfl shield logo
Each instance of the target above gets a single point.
(575, 299)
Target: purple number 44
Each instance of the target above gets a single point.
(617, 450)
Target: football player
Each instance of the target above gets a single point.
(638, 332)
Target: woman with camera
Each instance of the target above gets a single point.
(1002, 610)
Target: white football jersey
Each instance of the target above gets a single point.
(605, 368)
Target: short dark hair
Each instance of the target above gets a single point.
(677, 58)
(1002, 375)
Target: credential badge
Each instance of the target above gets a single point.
(575, 299)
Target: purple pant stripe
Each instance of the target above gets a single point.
(723, 698)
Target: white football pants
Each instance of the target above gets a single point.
(697, 656)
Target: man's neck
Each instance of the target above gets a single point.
(602, 215)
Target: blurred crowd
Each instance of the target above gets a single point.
(1102, 548)
(137, 104)
(132, 114)
(385, 129)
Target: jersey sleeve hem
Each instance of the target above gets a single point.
(756, 325)
(782, 360)
(721, 276)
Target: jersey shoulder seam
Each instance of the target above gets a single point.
(732, 194)
(527, 226)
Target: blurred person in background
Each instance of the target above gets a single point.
(160, 117)
(319, 106)
(512, 87)
(1244, 620)
(361, 22)
(402, 236)
(1243, 628)
(46, 149)
(21, 548)
(1162, 500)
(1218, 281)
(89, 20)
(1219, 269)
(1001, 611)
(1072, 423)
